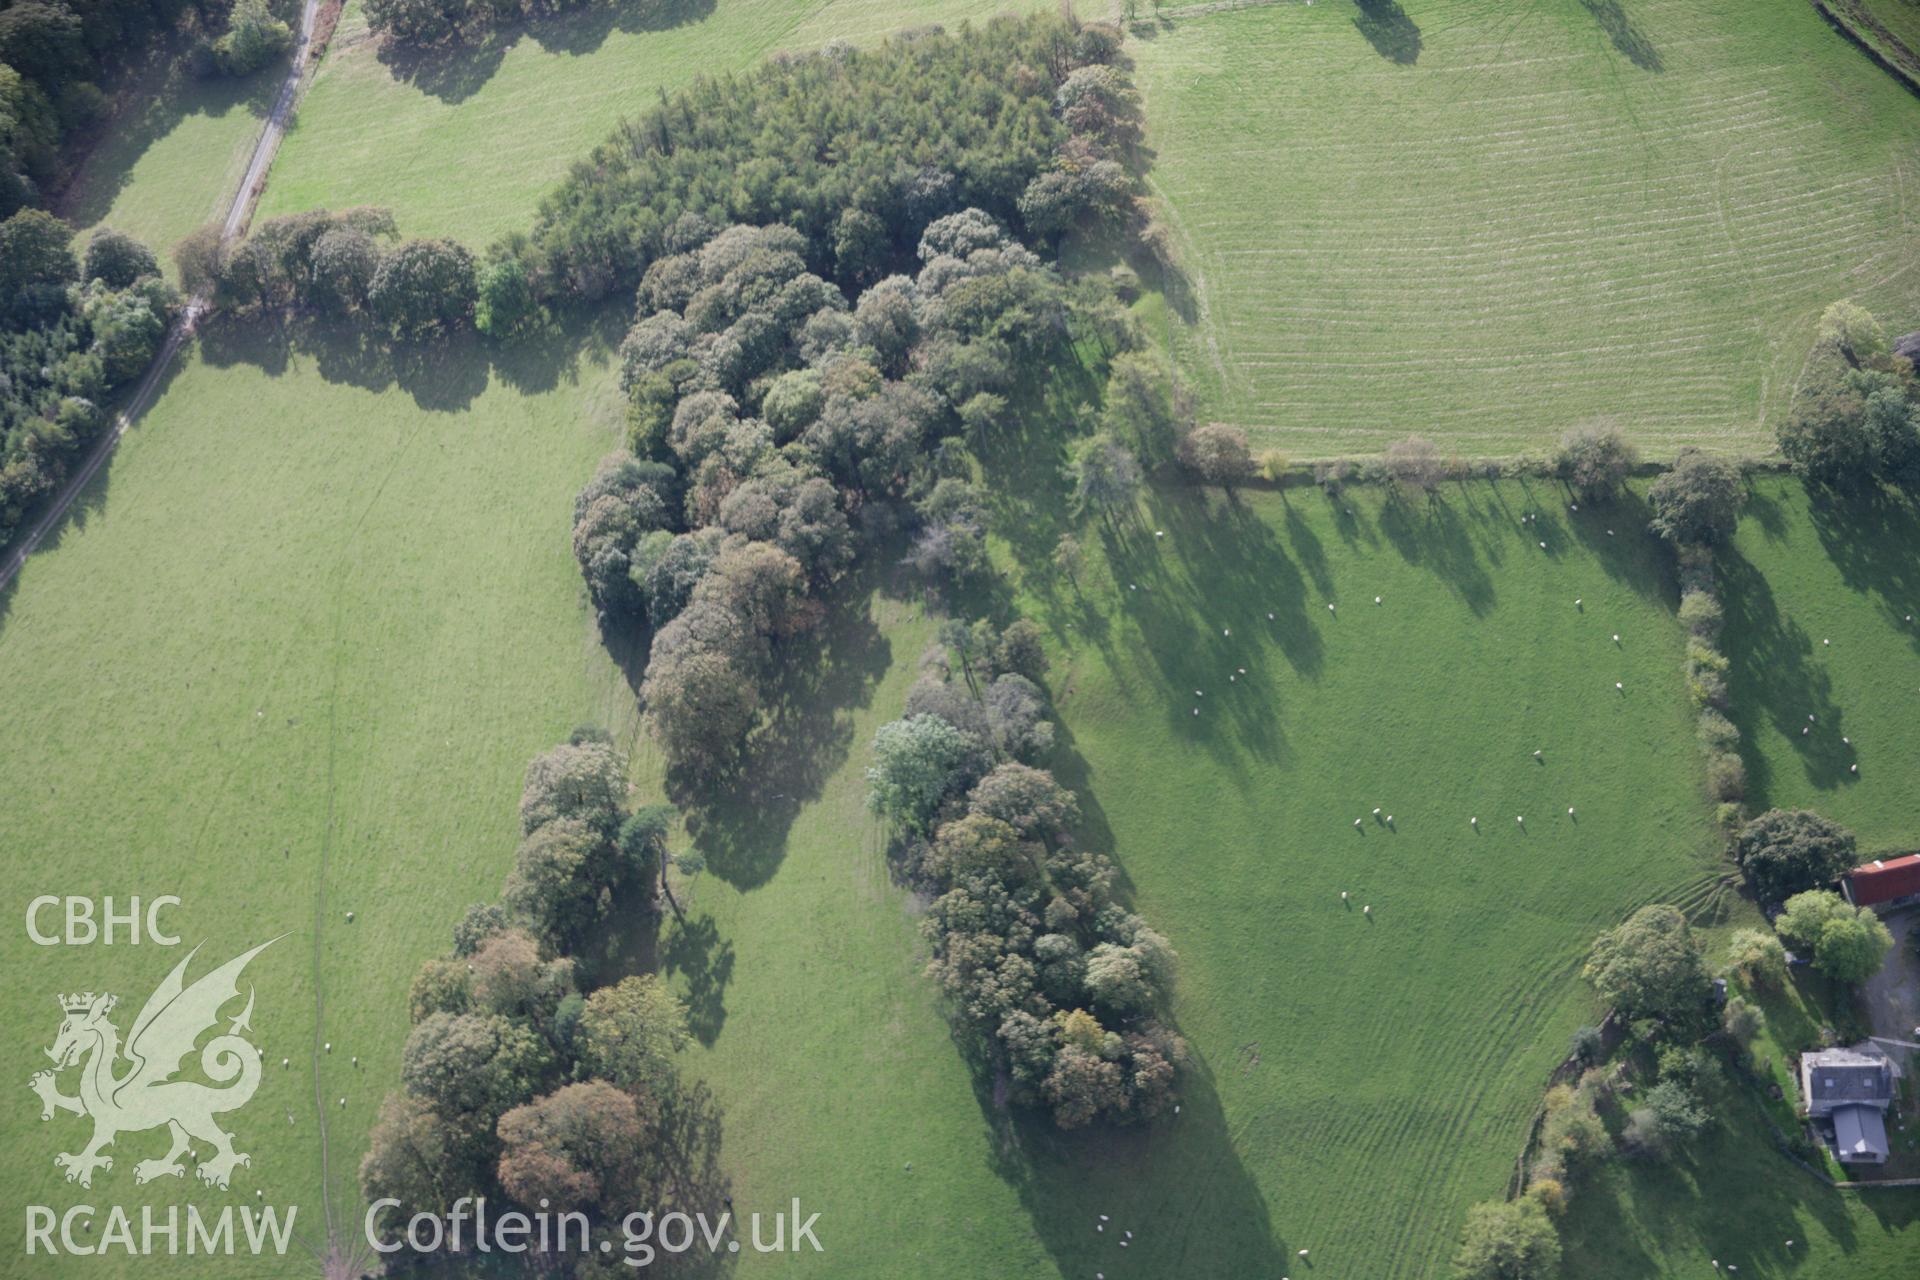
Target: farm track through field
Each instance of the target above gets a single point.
(235, 222)
(337, 1262)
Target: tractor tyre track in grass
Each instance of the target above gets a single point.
(238, 210)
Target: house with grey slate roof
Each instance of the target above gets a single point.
(1847, 1092)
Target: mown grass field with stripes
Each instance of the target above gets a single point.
(1487, 221)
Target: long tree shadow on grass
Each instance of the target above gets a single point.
(1728, 1195)
(703, 960)
(453, 73)
(92, 500)
(693, 1181)
(1389, 30)
(444, 375)
(1213, 594)
(1177, 1183)
(161, 97)
(740, 823)
(1626, 37)
(1437, 538)
(1772, 680)
(1873, 539)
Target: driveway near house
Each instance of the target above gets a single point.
(1893, 994)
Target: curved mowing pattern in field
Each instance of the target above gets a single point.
(1533, 223)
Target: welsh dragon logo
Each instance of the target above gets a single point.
(144, 1095)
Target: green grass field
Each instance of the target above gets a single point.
(1818, 596)
(290, 660)
(466, 145)
(1489, 220)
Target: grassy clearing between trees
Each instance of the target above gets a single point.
(1486, 223)
(1804, 570)
(289, 659)
(464, 145)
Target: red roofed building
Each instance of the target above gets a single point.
(1885, 883)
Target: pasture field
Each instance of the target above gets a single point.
(1818, 593)
(465, 145)
(1487, 221)
(289, 659)
(1341, 1064)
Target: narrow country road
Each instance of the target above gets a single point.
(236, 220)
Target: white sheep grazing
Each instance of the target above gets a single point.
(1520, 818)
(1569, 811)
(1376, 599)
(1622, 688)
(1343, 895)
(1356, 822)
(1376, 813)
(1543, 546)
(1473, 822)
(1330, 609)
(1853, 768)
(1366, 911)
